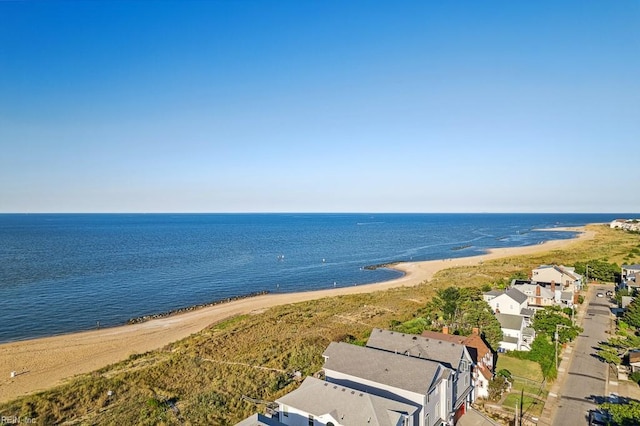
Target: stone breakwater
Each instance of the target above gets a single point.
(381, 265)
(145, 318)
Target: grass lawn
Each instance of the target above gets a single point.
(530, 405)
(520, 368)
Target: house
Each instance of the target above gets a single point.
(566, 277)
(617, 223)
(626, 224)
(629, 272)
(542, 294)
(516, 336)
(538, 295)
(452, 355)
(318, 402)
(422, 383)
(634, 360)
(511, 301)
(481, 356)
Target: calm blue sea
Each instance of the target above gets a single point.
(64, 272)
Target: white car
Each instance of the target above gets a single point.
(600, 294)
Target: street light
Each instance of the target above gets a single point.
(557, 336)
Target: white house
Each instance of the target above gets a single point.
(515, 335)
(511, 301)
(321, 403)
(629, 272)
(566, 277)
(422, 383)
(452, 355)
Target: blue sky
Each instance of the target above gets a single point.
(321, 106)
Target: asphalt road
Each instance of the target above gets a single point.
(585, 383)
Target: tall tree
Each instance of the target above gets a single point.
(478, 314)
(632, 314)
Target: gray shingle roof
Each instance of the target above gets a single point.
(350, 407)
(400, 371)
(510, 322)
(440, 350)
(493, 293)
(517, 295)
(527, 312)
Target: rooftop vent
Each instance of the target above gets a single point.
(415, 337)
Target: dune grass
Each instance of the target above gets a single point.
(202, 379)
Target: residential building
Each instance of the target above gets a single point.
(318, 402)
(516, 336)
(634, 360)
(543, 294)
(566, 277)
(452, 355)
(481, 355)
(422, 383)
(629, 272)
(626, 224)
(511, 301)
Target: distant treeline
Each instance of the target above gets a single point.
(145, 318)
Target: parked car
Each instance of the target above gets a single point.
(610, 293)
(614, 398)
(598, 418)
(600, 294)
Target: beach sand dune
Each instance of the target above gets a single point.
(42, 363)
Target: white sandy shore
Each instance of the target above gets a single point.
(43, 363)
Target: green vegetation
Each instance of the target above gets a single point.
(547, 322)
(623, 414)
(460, 309)
(626, 338)
(599, 270)
(529, 370)
(202, 379)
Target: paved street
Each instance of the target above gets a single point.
(584, 384)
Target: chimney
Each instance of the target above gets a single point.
(538, 298)
(475, 331)
(553, 287)
(445, 330)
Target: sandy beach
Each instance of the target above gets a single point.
(43, 363)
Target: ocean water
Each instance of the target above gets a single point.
(61, 273)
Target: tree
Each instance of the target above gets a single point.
(600, 270)
(632, 314)
(447, 300)
(623, 414)
(478, 314)
(546, 321)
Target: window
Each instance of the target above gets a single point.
(285, 411)
(310, 420)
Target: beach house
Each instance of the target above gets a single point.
(516, 336)
(511, 301)
(629, 272)
(451, 354)
(566, 277)
(319, 402)
(482, 357)
(427, 385)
